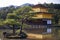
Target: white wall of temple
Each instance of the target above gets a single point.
(49, 22)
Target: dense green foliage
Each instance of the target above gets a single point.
(17, 13)
(16, 18)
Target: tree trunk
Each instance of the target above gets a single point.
(21, 27)
(13, 29)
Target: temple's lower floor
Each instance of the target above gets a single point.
(39, 22)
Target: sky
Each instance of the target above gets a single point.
(4, 3)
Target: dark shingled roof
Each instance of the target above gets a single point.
(55, 6)
(39, 5)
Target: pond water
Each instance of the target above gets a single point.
(56, 34)
(7, 30)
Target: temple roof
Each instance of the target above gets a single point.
(39, 5)
(55, 6)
